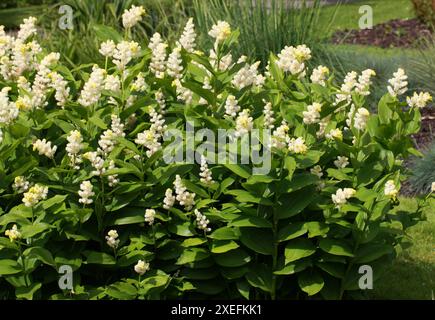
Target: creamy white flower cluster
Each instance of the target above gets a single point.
(419, 100)
(398, 84)
(334, 134)
(244, 123)
(132, 16)
(205, 172)
(112, 239)
(188, 38)
(341, 162)
(202, 221)
(292, 59)
(220, 31)
(141, 267)
(158, 55)
(320, 75)
(150, 215)
(108, 139)
(231, 106)
(97, 162)
(342, 195)
(183, 197)
(280, 137)
(247, 76)
(390, 189)
(91, 92)
(14, 234)
(297, 145)
(74, 147)
(312, 115)
(44, 148)
(16, 54)
(34, 195)
(86, 192)
(8, 109)
(151, 138)
(21, 184)
(269, 120)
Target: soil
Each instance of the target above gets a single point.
(424, 138)
(395, 33)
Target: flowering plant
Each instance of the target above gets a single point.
(90, 177)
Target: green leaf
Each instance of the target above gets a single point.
(336, 247)
(293, 267)
(372, 251)
(298, 249)
(291, 231)
(309, 159)
(334, 269)
(294, 203)
(260, 277)
(222, 246)
(250, 221)
(310, 282)
(182, 229)
(241, 170)
(298, 182)
(31, 230)
(192, 255)
(316, 228)
(193, 242)
(233, 258)
(290, 166)
(247, 197)
(225, 233)
(243, 287)
(27, 292)
(122, 291)
(259, 240)
(384, 111)
(41, 254)
(8, 266)
(46, 204)
(93, 257)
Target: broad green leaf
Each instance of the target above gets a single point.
(293, 230)
(222, 246)
(336, 247)
(93, 257)
(233, 258)
(28, 292)
(259, 240)
(298, 249)
(8, 266)
(260, 277)
(192, 255)
(41, 254)
(250, 221)
(225, 233)
(311, 282)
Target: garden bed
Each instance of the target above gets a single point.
(401, 33)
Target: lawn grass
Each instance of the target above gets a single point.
(412, 275)
(347, 15)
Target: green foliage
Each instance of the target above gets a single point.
(80, 45)
(266, 26)
(280, 234)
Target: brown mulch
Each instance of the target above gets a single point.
(427, 132)
(395, 33)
